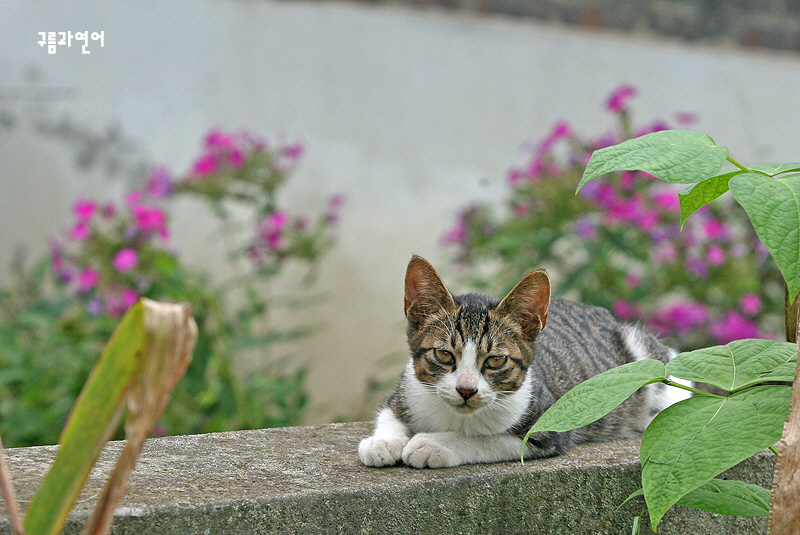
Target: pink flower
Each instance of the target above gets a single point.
(334, 207)
(750, 303)
(118, 303)
(715, 255)
(216, 139)
(133, 198)
(686, 118)
(205, 166)
(618, 100)
(84, 210)
(732, 327)
(81, 231)
(125, 260)
(109, 210)
(87, 279)
(294, 152)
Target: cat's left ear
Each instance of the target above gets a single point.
(527, 303)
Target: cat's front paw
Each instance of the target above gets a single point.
(424, 450)
(374, 451)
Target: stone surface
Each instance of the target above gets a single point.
(309, 480)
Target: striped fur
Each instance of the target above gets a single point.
(483, 371)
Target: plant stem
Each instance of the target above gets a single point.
(773, 450)
(690, 389)
(740, 166)
(791, 312)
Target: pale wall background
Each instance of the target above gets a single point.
(410, 113)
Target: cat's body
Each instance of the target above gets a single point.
(482, 372)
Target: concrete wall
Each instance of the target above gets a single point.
(409, 113)
(308, 480)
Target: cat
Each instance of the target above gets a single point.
(482, 371)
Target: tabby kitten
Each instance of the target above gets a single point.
(482, 372)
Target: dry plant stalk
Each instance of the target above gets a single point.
(172, 334)
(9, 496)
(784, 517)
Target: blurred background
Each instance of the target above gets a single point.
(277, 163)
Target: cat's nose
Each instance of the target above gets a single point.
(466, 393)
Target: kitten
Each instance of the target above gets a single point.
(482, 372)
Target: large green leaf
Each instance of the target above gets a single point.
(773, 206)
(698, 195)
(678, 156)
(778, 169)
(737, 365)
(693, 441)
(94, 418)
(596, 397)
(735, 498)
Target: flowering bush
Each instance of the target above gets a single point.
(618, 244)
(114, 253)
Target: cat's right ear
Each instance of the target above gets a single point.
(425, 293)
(528, 302)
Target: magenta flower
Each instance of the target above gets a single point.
(88, 279)
(715, 255)
(666, 200)
(119, 302)
(205, 166)
(561, 130)
(679, 317)
(125, 260)
(618, 100)
(294, 152)
(457, 234)
(81, 231)
(334, 207)
(109, 210)
(146, 219)
(732, 327)
(84, 210)
(271, 230)
(750, 303)
(715, 230)
(216, 139)
(624, 310)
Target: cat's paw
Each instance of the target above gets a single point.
(424, 450)
(374, 451)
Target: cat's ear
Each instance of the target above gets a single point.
(425, 293)
(527, 303)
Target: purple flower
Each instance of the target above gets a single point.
(585, 229)
(334, 207)
(125, 260)
(618, 100)
(732, 327)
(159, 185)
(457, 234)
(697, 267)
(750, 303)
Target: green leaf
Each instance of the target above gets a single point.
(678, 156)
(94, 417)
(596, 397)
(735, 498)
(693, 441)
(774, 209)
(698, 195)
(737, 365)
(773, 170)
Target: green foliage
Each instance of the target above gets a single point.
(693, 441)
(55, 319)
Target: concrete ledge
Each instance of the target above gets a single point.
(308, 480)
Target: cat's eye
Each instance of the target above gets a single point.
(443, 356)
(495, 361)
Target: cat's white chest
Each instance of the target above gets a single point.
(430, 413)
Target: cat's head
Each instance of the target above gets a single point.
(470, 347)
